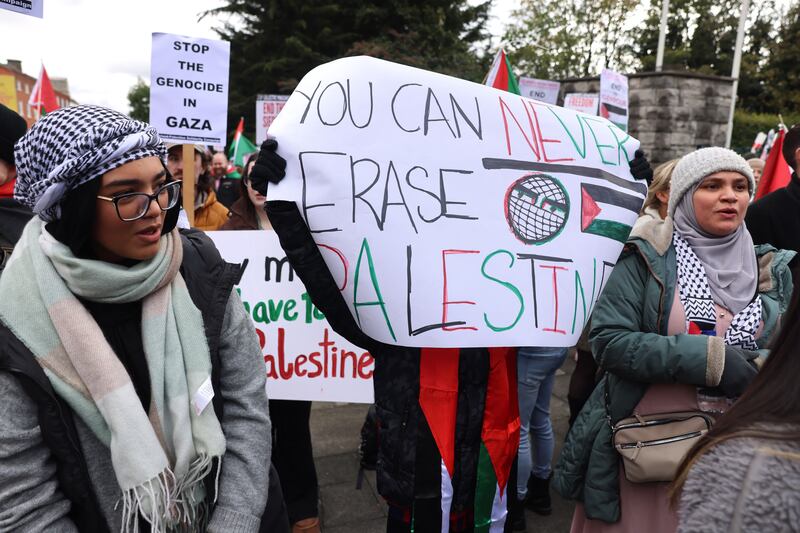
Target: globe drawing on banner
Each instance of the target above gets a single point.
(537, 207)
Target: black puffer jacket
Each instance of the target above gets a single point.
(406, 445)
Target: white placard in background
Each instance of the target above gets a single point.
(543, 90)
(614, 98)
(582, 102)
(33, 8)
(267, 108)
(305, 359)
(189, 88)
(460, 215)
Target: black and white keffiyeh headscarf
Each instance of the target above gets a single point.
(695, 294)
(72, 146)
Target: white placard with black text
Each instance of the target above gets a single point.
(189, 88)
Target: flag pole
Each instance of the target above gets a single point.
(737, 61)
(662, 35)
(188, 182)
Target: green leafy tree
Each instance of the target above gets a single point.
(139, 101)
(274, 43)
(782, 70)
(573, 38)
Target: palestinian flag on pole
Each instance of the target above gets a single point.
(777, 173)
(43, 97)
(500, 75)
(240, 148)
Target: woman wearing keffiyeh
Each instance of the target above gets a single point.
(131, 380)
(682, 326)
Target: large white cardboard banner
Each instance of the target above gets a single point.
(452, 214)
(614, 98)
(267, 108)
(305, 359)
(543, 90)
(189, 88)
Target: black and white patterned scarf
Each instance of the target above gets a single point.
(74, 145)
(701, 316)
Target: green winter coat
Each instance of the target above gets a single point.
(629, 342)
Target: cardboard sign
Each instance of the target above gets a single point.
(189, 89)
(542, 90)
(453, 214)
(582, 102)
(614, 98)
(305, 359)
(267, 108)
(33, 8)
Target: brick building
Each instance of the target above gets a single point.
(24, 85)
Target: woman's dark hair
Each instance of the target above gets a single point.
(78, 214)
(770, 407)
(247, 205)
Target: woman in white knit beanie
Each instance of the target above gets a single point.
(680, 327)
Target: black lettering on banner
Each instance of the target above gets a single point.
(411, 331)
(344, 104)
(306, 206)
(350, 107)
(454, 105)
(279, 264)
(360, 195)
(443, 195)
(394, 113)
(310, 99)
(428, 118)
(533, 258)
(426, 191)
(391, 171)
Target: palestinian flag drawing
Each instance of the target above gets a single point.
(599, 205)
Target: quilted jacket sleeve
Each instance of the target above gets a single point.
(624, 345)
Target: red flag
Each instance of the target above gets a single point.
(777, 173)
(43, 97)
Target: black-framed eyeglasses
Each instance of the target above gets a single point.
(133, 205)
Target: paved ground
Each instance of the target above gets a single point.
(335, 430)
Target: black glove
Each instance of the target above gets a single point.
(640, 167)
(268, 168)
(740, 369)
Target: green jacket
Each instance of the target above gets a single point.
(630, 343)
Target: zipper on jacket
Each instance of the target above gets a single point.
(657, 442)
(660, 421)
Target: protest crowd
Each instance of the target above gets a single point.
(132, 360)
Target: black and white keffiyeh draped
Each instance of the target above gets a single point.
(74, 145)
(699, 306)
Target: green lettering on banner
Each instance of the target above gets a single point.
(507, 285)
(571, 138)
(373, 277)
(578, 283)
(596, 142)
(620, 144)
(260, 313)
(289, 313)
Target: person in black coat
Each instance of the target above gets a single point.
(13, 215)
(773, 219)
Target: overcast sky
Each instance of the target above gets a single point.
(101, 46)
